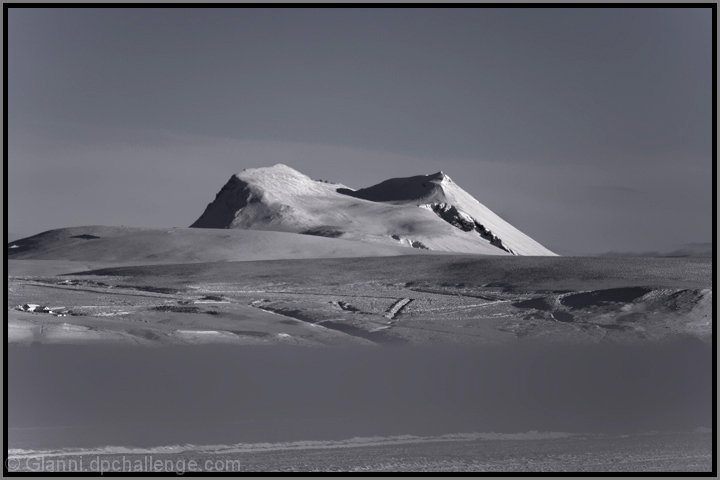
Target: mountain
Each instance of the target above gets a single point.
(425, 212)
(129, 245)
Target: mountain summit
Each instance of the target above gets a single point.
(425, 211)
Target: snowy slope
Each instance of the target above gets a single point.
(127, 245)
(425, 212)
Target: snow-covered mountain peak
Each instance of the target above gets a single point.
(440, 176)
(283, 199)
(277, 170)
(284, 180)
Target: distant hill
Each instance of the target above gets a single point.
(697, 249)
(183, 245)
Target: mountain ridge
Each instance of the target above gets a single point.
(423, 211)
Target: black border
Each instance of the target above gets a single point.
(712, 6)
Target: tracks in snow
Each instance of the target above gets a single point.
(125, 291)
(449, 293)
(392, 313)
(374, 335)
(465, 307)
(397, 307)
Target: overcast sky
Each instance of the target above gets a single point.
(588, 129)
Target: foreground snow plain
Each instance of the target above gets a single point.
(668, 452)
(175, 286)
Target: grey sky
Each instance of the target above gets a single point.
(588, 129)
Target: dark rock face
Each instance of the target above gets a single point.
(464, 222)
(86, 236)
(234, 195)
(324, 231)
(419, 244)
